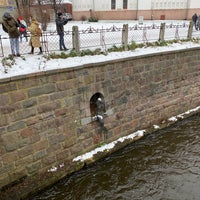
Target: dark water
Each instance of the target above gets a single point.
(164, 165)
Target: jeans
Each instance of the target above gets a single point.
(14, 44)
(61, 41)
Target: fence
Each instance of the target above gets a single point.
(104, 38)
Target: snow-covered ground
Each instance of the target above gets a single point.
(35, 63)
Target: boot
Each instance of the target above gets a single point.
(32, 50)
(40, 51)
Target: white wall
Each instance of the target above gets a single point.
(195, 4)
(169, 4)
(102, 5)
(80, 5)
(132, 4)
(144, 5)
(105, 5)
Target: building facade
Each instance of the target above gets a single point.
(133, 9)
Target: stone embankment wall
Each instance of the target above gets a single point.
(46, 119)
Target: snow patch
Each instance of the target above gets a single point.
(156, 126)
(54, 168)
(175, 118)
(109, 146)
(138, 133)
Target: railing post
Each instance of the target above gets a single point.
(76, 39)
(189, 36)
(1, 46)
(144, 37)
(125, 36)
(162, 32)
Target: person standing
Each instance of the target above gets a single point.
(60, 22)
(22, 29)
(11, 26)
(35, 36)
(198, 23)
(194, 19)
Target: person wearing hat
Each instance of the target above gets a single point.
(12, 28)
(60, 22)
(22, 28)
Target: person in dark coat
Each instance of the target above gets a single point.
(198, 23)
(12, 28)
(60, 22)
(194, 19)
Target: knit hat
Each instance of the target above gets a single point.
(59, 14)
(20, 18)
(7, 15)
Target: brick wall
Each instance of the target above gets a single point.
(170, 14)
(45, 117)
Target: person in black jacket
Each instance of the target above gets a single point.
(194, 19)
(60, 22)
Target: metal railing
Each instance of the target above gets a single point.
(104, 38)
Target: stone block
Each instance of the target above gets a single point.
(46, 89)
(16, 126)
(25, 151)
(29, 102)
(4, 179)
(11, 141)
(16, 96)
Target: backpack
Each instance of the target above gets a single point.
(4, 28)
(21, 29)
(22, 25)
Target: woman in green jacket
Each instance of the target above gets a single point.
(11, 27)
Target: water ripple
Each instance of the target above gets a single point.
(162, 166)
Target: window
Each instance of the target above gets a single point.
(113, 4)
(125, 4)
(156, 4)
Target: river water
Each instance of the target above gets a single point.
(162, 166)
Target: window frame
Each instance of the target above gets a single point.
(125, 4)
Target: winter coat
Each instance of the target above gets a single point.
(35, 39)
(11, 25)
(194, 18)
(60, 22)
(198, 22)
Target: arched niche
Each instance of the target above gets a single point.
(97, 104)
